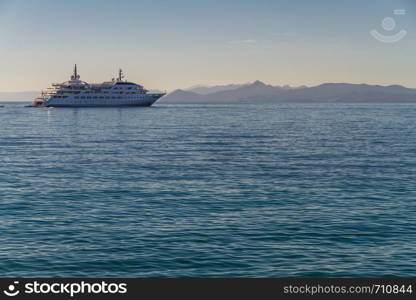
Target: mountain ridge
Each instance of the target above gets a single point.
(326, 92)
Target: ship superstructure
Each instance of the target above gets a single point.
(78, 93)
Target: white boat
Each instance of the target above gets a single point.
(78, 93)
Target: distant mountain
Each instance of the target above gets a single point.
(181, 96)
(346, 92)
(18, 96)
(327, 92)
(205, 90)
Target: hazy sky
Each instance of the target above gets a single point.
(176, 44)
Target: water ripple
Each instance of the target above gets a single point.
(241, 190)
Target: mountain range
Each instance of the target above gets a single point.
(327, 92)
(205, 90)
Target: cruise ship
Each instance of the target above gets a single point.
(78, 93)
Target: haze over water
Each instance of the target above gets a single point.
(208, 190)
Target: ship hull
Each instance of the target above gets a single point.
(142, 100)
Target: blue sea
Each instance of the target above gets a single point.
(208, 190)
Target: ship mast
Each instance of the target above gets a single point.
(75, 76)
(120, 75)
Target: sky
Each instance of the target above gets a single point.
(178, 44)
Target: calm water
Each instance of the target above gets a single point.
(209, 190)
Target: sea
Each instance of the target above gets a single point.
(208, 190)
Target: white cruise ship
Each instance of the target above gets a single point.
(78, 93)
